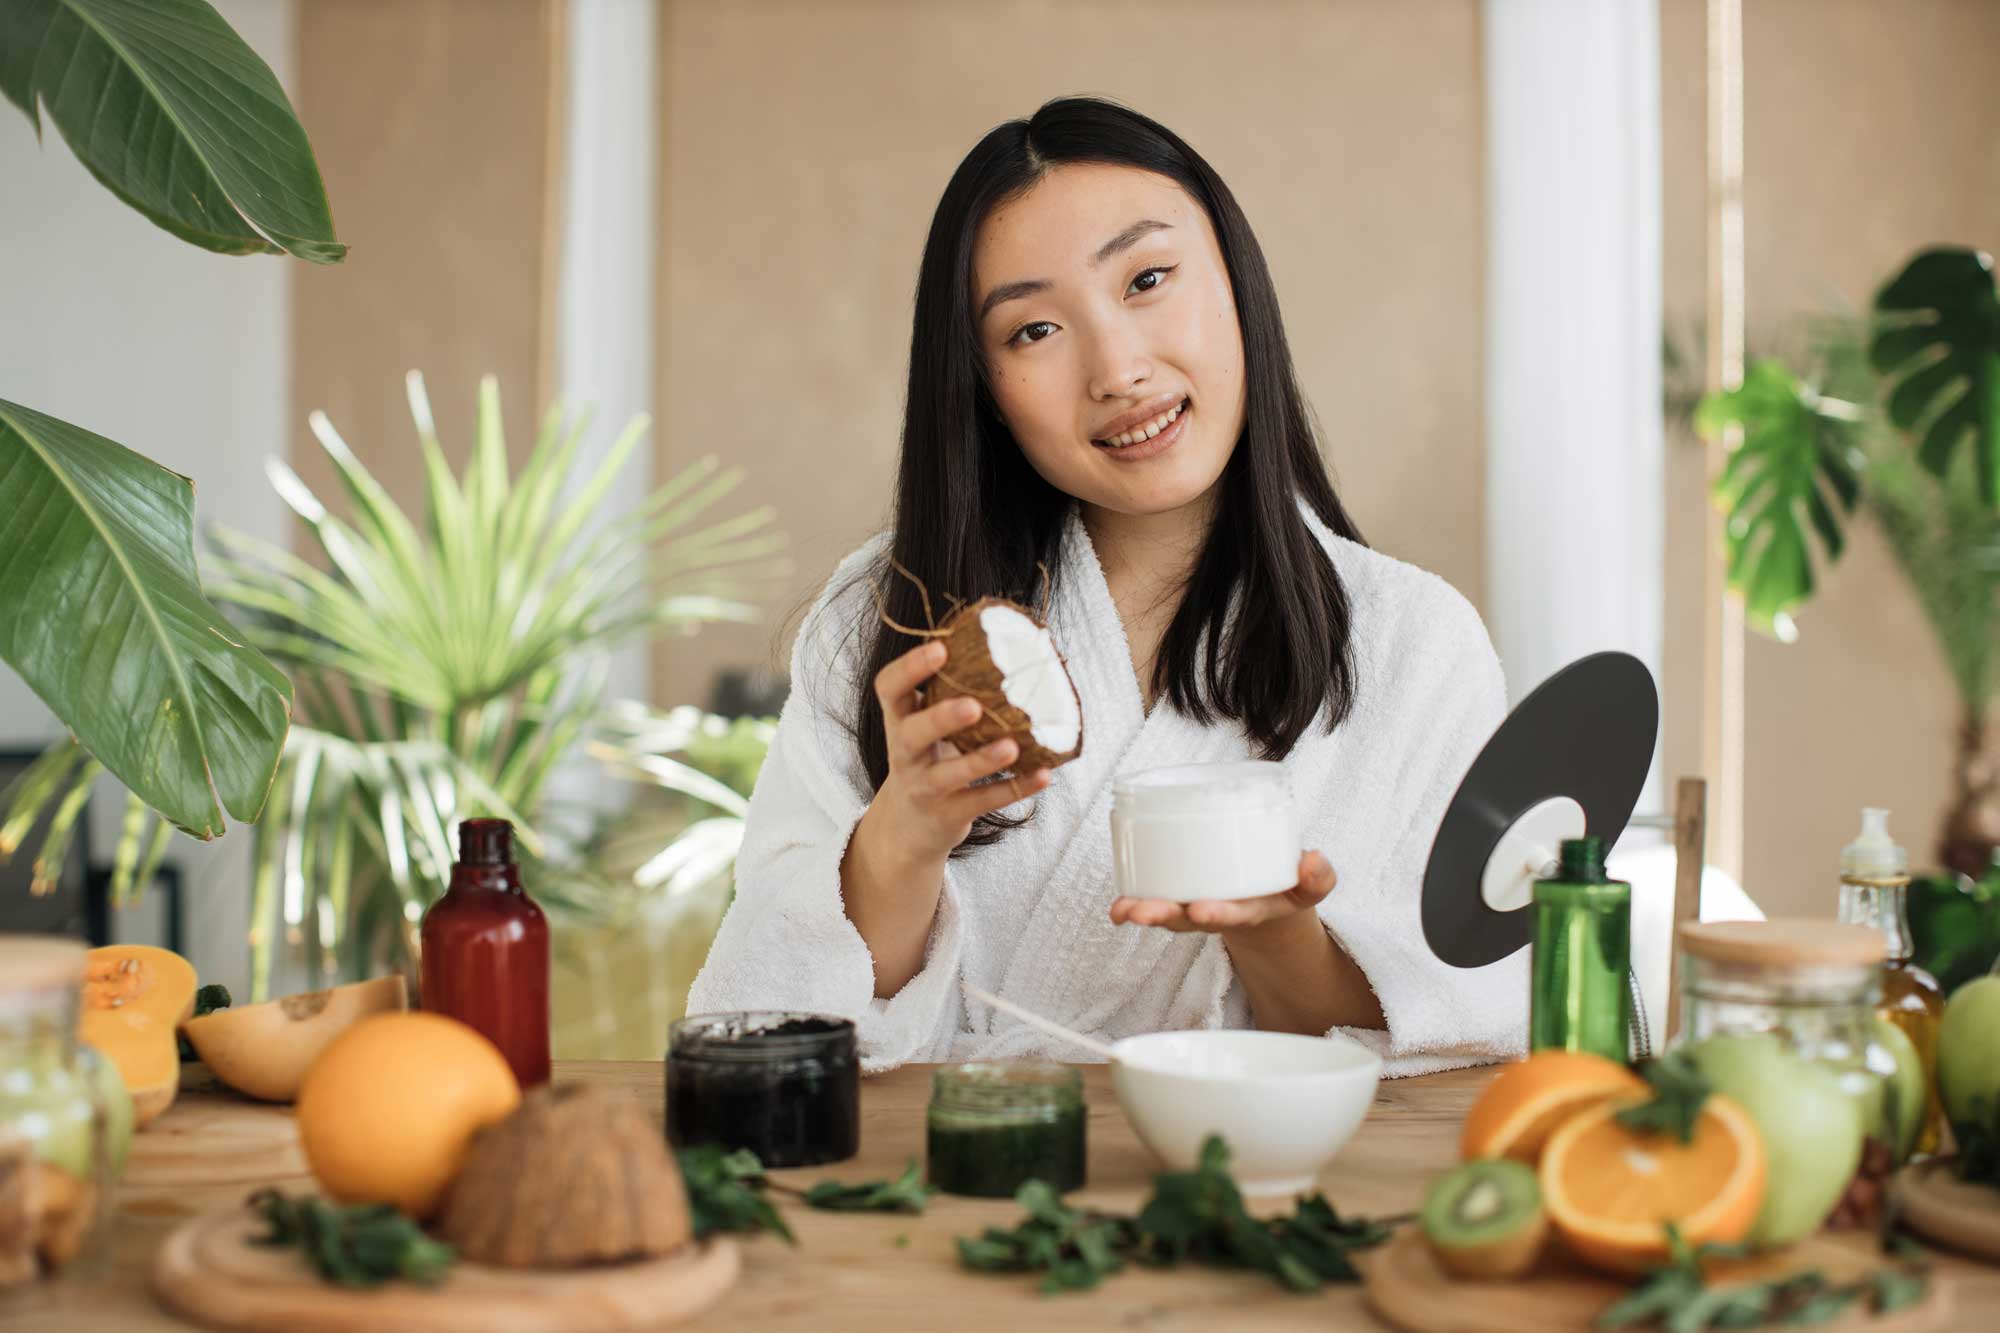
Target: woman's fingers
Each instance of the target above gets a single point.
(896, 684)
(1316, 880)
(952, 774)
(976, 801)
(917, 734)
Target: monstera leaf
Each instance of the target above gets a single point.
(1793, 472)
(1940, 342)
(102, 613)
(174, 114)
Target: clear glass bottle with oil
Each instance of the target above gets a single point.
(1874, 886)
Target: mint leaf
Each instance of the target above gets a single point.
(1678, 1093)
(907, 1193)
(725, 1192)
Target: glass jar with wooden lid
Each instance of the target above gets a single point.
(65, 1122)
(1812, 984)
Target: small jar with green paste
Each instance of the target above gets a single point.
(994, 1126)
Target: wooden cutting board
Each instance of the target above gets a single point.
(1406, 1287)
(208, 1271)
(1935, 1203)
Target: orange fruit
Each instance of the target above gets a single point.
(1529, 1099)
(388, 1111)
(1610, 1191)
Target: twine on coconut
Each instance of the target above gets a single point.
(931, 619)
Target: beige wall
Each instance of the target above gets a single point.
(430, 119)
(805, 145)
(1870, 129)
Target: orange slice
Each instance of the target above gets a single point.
(1531, 1098)
(1610, 1191)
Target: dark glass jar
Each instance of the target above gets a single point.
(485, 952)
(992, 1127)
(787, 1086)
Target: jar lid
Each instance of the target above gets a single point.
(40, 963)
(1783, 942)
(760, 1036)
(1248, 784)
(996, 1087)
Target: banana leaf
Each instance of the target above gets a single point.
(174, 113)
(102, 613)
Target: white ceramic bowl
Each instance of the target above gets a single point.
(1285, 1104)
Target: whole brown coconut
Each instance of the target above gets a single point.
(575, 1175)
(970, 671)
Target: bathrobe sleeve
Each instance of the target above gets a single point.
(1448, 699)
(786, 941)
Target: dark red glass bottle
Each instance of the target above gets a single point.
(486, 951)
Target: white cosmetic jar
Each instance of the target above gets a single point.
(1204, 831)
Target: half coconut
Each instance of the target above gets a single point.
(999, 653)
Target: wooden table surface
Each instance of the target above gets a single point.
(850, 1271)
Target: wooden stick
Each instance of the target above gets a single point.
(1690, 849)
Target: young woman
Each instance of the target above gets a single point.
(1100, 388)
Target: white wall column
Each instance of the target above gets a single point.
(1574, 502)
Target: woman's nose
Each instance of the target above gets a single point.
(1119, 363)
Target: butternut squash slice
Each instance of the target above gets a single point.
(264, 1050)
(134, 998)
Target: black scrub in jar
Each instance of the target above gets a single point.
(786, 1086)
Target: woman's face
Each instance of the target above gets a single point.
(1099, 294)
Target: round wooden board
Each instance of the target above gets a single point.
(1935, 1203)
(209, 1271)
(1406, 1287)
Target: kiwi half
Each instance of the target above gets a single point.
(1484, 1219)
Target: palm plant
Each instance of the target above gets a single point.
(1897, 417)
(442, 672)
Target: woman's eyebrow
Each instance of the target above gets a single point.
(1124, 240)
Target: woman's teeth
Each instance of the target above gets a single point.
(1147, 431)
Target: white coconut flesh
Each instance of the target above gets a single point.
(1032, 677)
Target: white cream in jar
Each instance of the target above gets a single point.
(1196, 831)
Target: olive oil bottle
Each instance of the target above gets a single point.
(1874, 886)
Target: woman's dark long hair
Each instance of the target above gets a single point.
(973, 518)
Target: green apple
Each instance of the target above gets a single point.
(1969, 1057)
(1811, 1128)
(1909, 1093)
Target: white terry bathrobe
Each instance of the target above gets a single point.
(1028, 918)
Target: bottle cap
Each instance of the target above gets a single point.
(1874, 855)
(485, 842)
(1583, 859)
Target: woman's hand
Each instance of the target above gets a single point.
(927, 803)
(1226, 917)
(1297, 976)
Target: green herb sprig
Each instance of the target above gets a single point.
(907, 1193)
(1195, 1216)
(726, 1193)
(357, 1246)
(1679, 1299)
(1679, 1090)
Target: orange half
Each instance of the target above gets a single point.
(1530, 1099)
(1610, 1191)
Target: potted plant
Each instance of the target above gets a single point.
(1897, 418)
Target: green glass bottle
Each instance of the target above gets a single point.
(1581, 951)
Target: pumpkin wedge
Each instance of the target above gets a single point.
(264, 1050)
(134, 998)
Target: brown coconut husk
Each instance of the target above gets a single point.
(575, 1175)
(969, 673)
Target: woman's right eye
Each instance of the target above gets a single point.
(1015, 340)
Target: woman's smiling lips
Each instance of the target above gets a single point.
(1159, 444)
